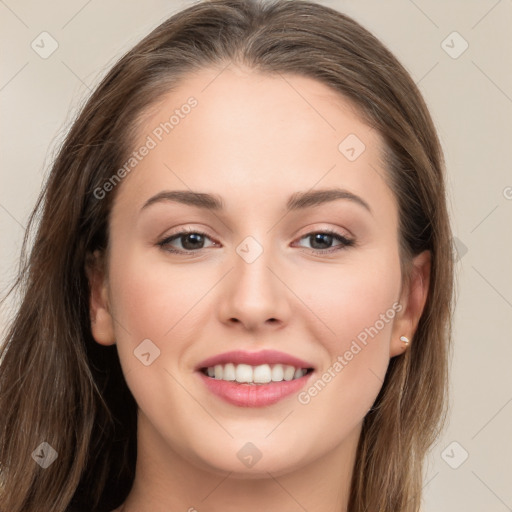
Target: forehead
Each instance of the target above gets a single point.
(245, 135)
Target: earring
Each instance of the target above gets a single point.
(405, 339)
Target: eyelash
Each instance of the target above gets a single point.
(345, 242)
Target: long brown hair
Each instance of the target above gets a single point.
(57, 385)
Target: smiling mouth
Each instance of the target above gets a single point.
(255, 375)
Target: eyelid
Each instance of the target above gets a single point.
(345, 233)
(346, 241)
(189, 228)
(180, 231)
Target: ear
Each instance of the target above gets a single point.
(413, 299)
(102, 325)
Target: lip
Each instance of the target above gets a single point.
(254, 359)
(253, 395)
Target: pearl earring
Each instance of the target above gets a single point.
(405, 339)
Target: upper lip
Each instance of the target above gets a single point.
(254, 359)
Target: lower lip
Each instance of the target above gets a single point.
(253, 395)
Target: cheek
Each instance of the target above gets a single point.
(357, 307)
(154, 298)
(352, 301)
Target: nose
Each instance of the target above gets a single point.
(254, 295)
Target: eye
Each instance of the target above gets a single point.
(191, 240)
(321, 240)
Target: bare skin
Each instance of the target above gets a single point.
(254, 140)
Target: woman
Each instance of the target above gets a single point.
(239, 295)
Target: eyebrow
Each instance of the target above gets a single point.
(297, 201)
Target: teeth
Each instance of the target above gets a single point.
(261, 374)
(229, 372)
(289, 372)
(243, 373)
(298, 373)
(278, 373)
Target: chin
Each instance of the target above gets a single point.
(248, 462)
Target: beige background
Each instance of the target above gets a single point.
(470, 98)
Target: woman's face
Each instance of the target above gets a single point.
(292, 248)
